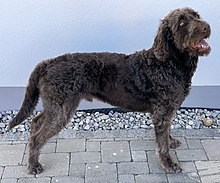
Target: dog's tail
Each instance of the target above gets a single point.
(31, 96)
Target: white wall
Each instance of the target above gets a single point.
(33, 30)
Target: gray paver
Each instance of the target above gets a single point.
(70, 145)
(1, 171)
(100, 169)
(11, 154)
(142, 145)
(34, 180)
(139, 156)
(209, 171)
(47, 148)
(77, 170)
(93, 146)
(133, 168)
(101, 172)
(212, 148)
(68, 179)
(194, 144)
(126, 178)
(16, 172)
(112, 178)
(154, 163)
(191, 155)
(115, 151)
(188, 167)
(151, 178)
(13, 180)
(183, 178)
(183, 143)
(54, 164)
(85, 157)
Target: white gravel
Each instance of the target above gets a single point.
(116, 119)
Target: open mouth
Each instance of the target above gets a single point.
(201, 45)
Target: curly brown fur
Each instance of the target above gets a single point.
(155, 80)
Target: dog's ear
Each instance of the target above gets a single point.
(161, 41)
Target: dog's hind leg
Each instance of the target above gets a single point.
(36, 123)
(162, 122)
(53, 120)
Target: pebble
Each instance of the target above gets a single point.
(104, 117)
(2, 125)
(144, 126)
(82, 120)
(207, 122)
(131, 119)
(87, 127)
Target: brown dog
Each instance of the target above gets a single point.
(155, 80)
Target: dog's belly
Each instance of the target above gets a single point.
(124, 100)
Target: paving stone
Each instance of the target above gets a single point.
(212, 148)
(154, 163)
(70, 145)
(77, 170)
(112, 178)
(68, 134)
(93, 146)
(194, 144)
(13, 180)
(1, 171)
(11, 154)
(188, 167)
(139, 133)
(183, 143)
(209, 171)
(16, 172)
(117, 134)
(151, 178)
(47, 148)
(115, 151)
(183, 178)
(101, 172)
(126, 178)
(202, 133)
(54, 164)
(127, 139)
(142, 145)
(25, 160)
(34, 180)
(100, 140)
(133, 168)
(178, 133)
(139, 156)
(100, 169)
(85, 157)
(68, 179)
(191, 155)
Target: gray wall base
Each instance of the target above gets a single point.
(200, 96)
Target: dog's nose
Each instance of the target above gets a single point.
(206, 28)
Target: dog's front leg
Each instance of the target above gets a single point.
(162, 123)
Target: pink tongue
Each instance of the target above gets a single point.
(202, 45)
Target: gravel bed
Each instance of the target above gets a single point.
(112, 119)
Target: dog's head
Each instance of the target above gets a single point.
(183, 31)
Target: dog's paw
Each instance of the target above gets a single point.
(36, 169)
(174, 143)
(169, 165)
